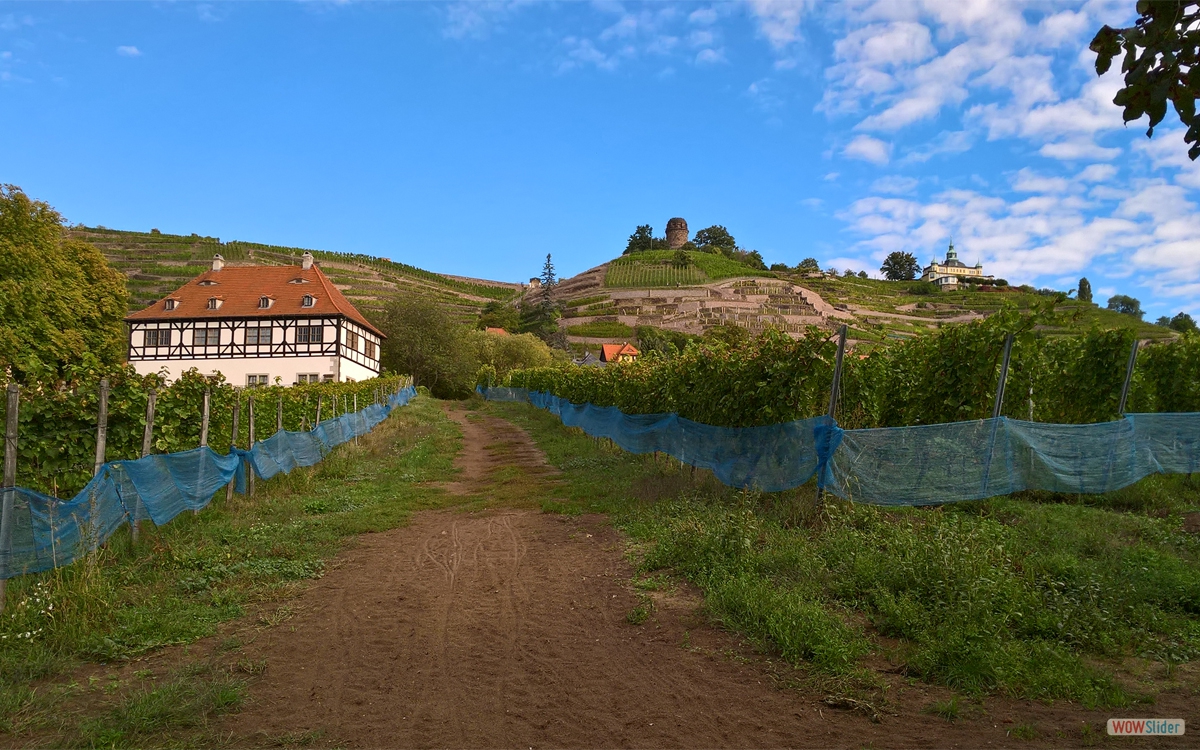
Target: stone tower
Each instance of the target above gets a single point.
(677, 233)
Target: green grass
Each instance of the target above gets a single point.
(184, 579)
(1036, 597)
(655, 268)
(602, 329)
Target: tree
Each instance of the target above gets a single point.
(549, 281)
(1167, 36)
(503, 354)
(780, 267)
(862, 274)
(848, 273)
(1085, 290)
(1126, 305)
(1183, 323)
(715, 239)
(499, 315)
(60, 302)
(809, 265)
(642, 239)
(425, 342)
(900, 266)
(752, 258)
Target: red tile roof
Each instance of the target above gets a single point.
(497, 331)
(613, 352)
(240, 287)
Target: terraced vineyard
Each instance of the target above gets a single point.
(657, 268)
(156, 264)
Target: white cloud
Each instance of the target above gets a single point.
(894, 184)
(870, 149)
(710, 56)
(129, 51)
(703, 16)
(1167, 153)
(779, 20)
(583, 52)
(1028, 181)
(1097, 173)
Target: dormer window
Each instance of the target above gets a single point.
(299, 281)
(265, 302)
(207, 282)
(170, 304)
(214, 303)
(308, 301)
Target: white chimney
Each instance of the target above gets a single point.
(306, 261)
(218, 263)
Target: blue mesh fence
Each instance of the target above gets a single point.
(47, 533)
(922, 465)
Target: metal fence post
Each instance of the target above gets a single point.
(1008, 342)
(8, 499)
(147, 447)
(834, 389)
(233, 436)
(1133, 352)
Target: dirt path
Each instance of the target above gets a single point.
(508, 629)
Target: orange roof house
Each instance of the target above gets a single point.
(257, 325)
(618, 353)
(496, 331)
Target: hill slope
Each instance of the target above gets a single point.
(156, 264)
(605, 303)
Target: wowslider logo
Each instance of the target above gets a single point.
(1145, 727)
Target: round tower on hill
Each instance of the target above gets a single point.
(677, 233)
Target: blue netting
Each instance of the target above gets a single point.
(47, 533)
(923, 465)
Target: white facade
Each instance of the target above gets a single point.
(290, 350)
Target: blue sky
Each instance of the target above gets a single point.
(473, 138)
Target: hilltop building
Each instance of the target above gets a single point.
(677, 233)
(947, 274)
(254, 324)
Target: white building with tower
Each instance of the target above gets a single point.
(947, 274)
(254, 325)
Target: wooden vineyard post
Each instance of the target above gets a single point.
(356, 412)
(147, 447)
(8, 498)
(233, 436)
(304, 415)
(250, 445)
(1128, 378)
(1008, 342)
(279, 415)
(320, 398)
(834, 387)
(204, 416)
(101, 454)
(101, 428)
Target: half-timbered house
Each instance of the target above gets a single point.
(256, 324)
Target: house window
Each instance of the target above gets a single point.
(258, 336)
(309, 334)
(213, 303)
(308, 377)
(158, 337)
(369, 348)
(170, 304)
(207, 336)
(253, 381)
(264, 302)
(308, 301)
(352, 340)
(327, 378)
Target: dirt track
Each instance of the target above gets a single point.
(508, 629)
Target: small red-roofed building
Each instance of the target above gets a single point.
(254, 324)
(618, 353)
(496, 331)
